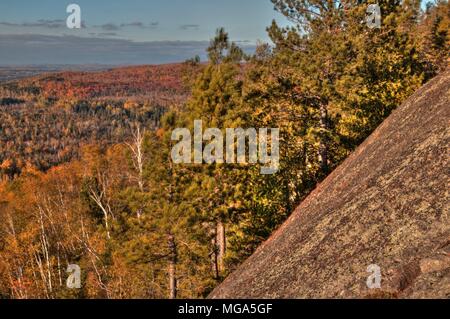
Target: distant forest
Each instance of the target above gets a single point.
(86, 175)
(45, 119)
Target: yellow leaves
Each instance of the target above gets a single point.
(7, 163)
(130, 105)
(30, 170)
(160, 133)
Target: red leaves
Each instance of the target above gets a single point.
(163, 80)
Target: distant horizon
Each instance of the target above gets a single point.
(88, 65)
(133, 32)
(65, 50)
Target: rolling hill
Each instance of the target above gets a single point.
(45, 119)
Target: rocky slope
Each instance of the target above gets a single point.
(387, 204)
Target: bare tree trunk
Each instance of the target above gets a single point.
(214, 254)
(59, 268)
(45, 250)
(173, 256)
(101, 198)
(221, 246)
(323, 147)
(137, 154)
(136, 148)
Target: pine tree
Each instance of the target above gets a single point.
(216, 100)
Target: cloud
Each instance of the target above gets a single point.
(42, 23)
(51, 24)
(107, 34)
(189, 27)
(139, 24)
(104, 34)
(61, 24)
(109, 27)
(68, 49)
(133, 24)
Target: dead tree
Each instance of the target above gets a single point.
(221, 246)
(323, 146)
(137, 153)
(173, 259)
(100, 196)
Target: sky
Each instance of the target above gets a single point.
(126, 31)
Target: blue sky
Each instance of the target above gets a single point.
(126, 32)
(158, 20)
